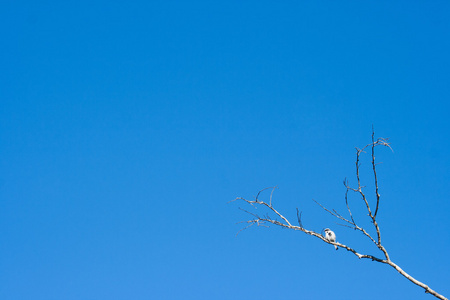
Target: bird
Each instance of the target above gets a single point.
(330, 236)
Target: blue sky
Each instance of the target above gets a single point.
(125, 128)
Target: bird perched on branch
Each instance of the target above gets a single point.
(330, 236)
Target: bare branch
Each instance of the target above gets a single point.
(266, 220)
(375, 175)
(346, 200)
(334, 213)
(299, 218)
(428, 290)
(354, 226)
(381, 142)
(261, 221)
(271, 194)
(257, 196)
(359, 189)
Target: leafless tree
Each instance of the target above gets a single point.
(280, 220)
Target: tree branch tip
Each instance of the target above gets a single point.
(237, 198)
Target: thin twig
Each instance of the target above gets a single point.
(346, 201)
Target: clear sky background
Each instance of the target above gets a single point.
(127, 126)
